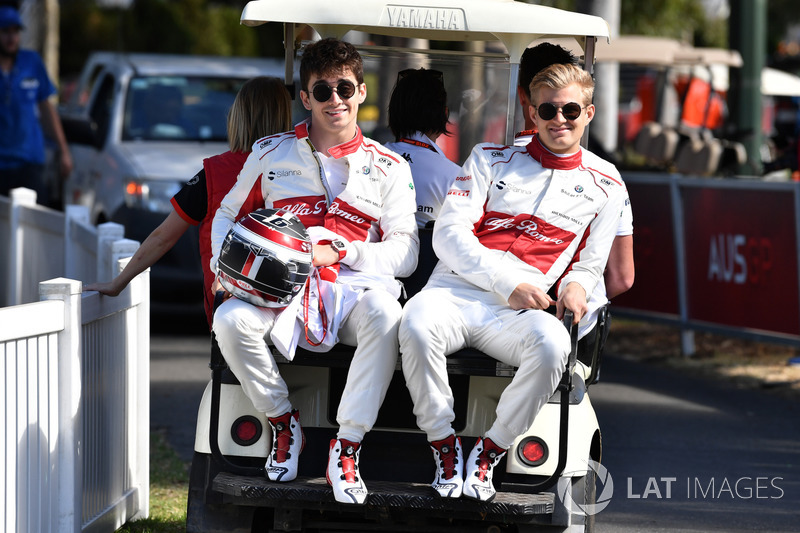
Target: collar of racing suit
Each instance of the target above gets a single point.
(550, 160)
(340, 150)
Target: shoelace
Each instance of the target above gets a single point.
(486, 459)
(283, 440)
(447, 456)
(347, 462)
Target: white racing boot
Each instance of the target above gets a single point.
(287, 443)
(343, 475)
(480, 465)
(449, 480)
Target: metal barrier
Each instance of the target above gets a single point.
(716, 255)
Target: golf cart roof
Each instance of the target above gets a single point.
(515, 24)
(640, 50)
(708, 56)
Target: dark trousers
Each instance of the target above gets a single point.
(28, 175)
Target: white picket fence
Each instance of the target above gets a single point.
(74, 375)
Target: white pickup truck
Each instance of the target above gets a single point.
(139, 126)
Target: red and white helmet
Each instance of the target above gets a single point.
(266, 258)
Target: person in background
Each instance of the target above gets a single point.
(522, 220)
(418, 115)
(262, 108)
(26, 114)
(360, 196)
(620, 270)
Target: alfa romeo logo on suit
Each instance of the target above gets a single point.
(604, 482)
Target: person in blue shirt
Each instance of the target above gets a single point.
(25, 114)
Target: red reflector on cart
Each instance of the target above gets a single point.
(532, 451)
(246, 430)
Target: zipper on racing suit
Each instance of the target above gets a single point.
(321, 170)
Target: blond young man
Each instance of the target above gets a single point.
(516, 221)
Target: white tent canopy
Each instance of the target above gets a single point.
(779, 83)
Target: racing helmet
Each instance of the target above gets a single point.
(266, 258)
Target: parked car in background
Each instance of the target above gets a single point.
(139, 126)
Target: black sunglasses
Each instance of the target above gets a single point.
(547, 111)
(435, 74)
(322, 92)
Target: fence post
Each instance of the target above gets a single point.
(20, 197)
(121, 249)
(73, 214)
(107, 233)
(139, 386)
(68, 468)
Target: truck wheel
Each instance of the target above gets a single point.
(205, 517)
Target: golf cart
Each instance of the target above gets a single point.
(547, 480)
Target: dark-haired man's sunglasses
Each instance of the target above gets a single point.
(435, 74)
(322, 92)
(547, 111)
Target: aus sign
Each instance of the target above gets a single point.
(741, 258)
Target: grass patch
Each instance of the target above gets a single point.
(169, 487)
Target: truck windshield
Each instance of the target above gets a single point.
(178, 108)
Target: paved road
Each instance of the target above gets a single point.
(684, 454)
(690, 454)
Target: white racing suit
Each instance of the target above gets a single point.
(514, 215)
(374, 215)
(432, 172)
(598, 298)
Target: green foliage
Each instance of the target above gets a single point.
(197, 27)
(679, 19)
(684, 20)
(781, 15)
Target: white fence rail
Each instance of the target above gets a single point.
(74, 381)
(40, 243)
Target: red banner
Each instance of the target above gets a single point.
(741, 258)
(656, 285)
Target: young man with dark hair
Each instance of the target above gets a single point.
(418, 115)
(517, 221)
(360, 197)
